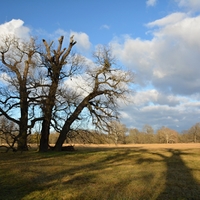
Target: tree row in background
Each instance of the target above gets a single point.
(122, 135)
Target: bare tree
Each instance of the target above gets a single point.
(148, 129)
(167, 135)
(18, 60)
(194, 131)
(8, 134)
(23, 95)
(149, 134)
(134, 136)
(54, 61)
(102, 88)
(117, 132)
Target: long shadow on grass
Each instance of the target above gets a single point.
(16, 185)
(28, 174)
(180, 183)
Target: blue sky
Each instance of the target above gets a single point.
(158, 39)
(101, 20)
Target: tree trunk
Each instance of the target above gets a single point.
(66, 128)
(54, 63)
(22, 137)
(48, 107)
(44, 140)
(22, 142)
(62, 137)
(23, 126)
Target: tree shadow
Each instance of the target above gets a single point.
(79, 176)
(17, 185)
(180, 183)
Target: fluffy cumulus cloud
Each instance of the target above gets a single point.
(192, 5)
(14, 27)
(169, 63)
(170, 60)
(158, 109)
(83, 42)
(151, 2)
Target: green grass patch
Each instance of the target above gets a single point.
(106, 173)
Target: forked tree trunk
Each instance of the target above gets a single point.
(48, 107)
(55, 63)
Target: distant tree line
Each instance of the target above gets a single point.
(123, 135)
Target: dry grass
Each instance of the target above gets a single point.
(144, 146)
(103, 172)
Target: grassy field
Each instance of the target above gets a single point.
(103, 172)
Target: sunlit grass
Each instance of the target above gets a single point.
(106, 173)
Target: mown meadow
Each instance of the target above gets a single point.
(101, 173)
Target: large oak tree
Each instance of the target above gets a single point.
(100, 90)
(54, 61)
(18, 61)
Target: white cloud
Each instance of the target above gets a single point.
(151, 2)
(60, 32)
(170, 19)
(105, 26)
(80, 84)
(83, 42)
(4, 78)
(155, 109)
(170, 60)
(15, 27)
(154, 97)
(168, 63)
(192, 5)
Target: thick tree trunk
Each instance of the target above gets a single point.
(62, 137)
(66, 128)
(44, 140)
(22, 142)
(23, 126)
(22, 137)
(48, 107)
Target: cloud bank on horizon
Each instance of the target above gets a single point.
(166, 66)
